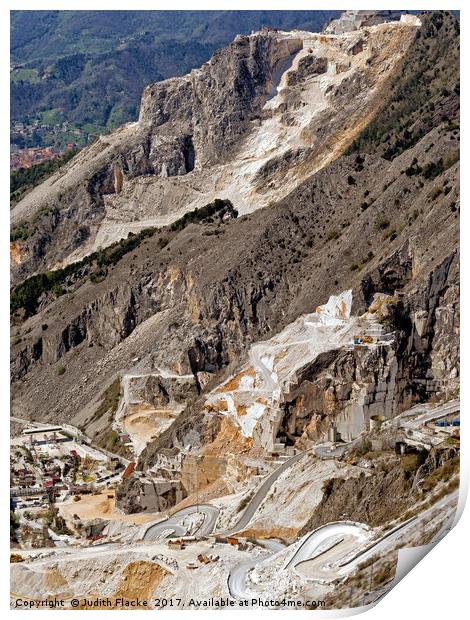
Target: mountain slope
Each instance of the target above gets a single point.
(91, 66)
(189, 300)
(262, 116)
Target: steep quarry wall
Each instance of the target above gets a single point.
(259, 118)
(349, 387)
(382, 219)
(217, 101)
(252, 398)
(355, 20)
(198, 472)
(344, 387)
(140, 494)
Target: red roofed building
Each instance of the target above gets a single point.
(128, 471)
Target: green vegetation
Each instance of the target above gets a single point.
(113, 254)
(442, 474)
(109, 401)
(61, 370)
(412, 462)
(385, 573)
(433, 169)
(359, 163)
(362, 449)
(55, 522)
(26, 295)
(52, 117)
(25, 179)
(331, 235)
(21, 231)
(390, 234)
(383, 223)
(218, 207)
(109, 440)
(118, 116)
(358, 265)
(94, 64)
(245, 501)
(426, 83)
(25, 75)
(436, 192)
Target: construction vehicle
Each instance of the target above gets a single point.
(378, 304)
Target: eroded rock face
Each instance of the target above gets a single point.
(354, 20)
(160, 391)
(217, 102)
(138, 494)
(104, 322)
(345, 387)
(250, 125)
(436, 313)
(349, 387)
(195, 305)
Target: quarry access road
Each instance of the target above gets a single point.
(260, 494)
(343, 536)
(173, 527)
(434, 414)
(336, 560)
(334, 549)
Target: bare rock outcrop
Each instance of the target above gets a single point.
(354, 20)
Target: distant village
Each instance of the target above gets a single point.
(37, 142)
(50, 465)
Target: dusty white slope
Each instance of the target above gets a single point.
(319, 99)
(253, 396)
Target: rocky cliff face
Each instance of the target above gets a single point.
(355, 20)
(184, 123)
(382, 218)
(217, 102)
(386, 492)
(348, 388)
(251, 125)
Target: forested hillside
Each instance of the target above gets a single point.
(89, 67)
